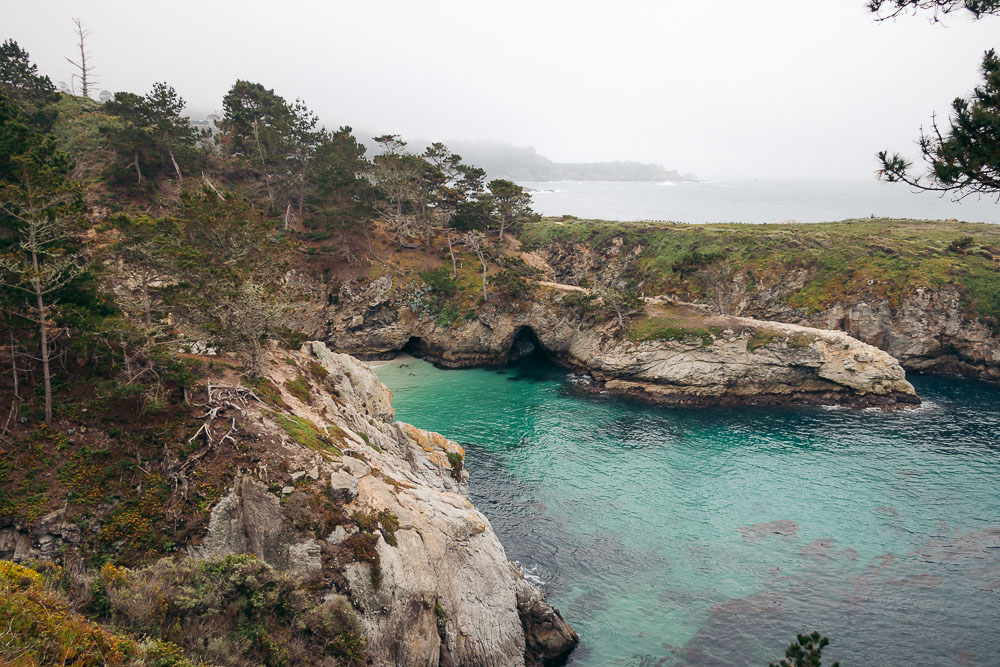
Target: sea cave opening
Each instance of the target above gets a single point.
(415, 347)
(526, 344)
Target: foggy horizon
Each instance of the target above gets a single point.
(734, 91)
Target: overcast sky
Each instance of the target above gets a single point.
(728, 88)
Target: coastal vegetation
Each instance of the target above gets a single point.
(151, 270)
(231, 611)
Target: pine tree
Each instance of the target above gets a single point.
(40, 210)
(807, 651)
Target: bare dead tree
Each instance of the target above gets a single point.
(86, 74)
(208, 183)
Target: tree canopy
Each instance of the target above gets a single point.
(892, 8)
(962, 157)
(154, 137)
(30, 91)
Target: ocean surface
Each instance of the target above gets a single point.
(753, 201)
(643, 523)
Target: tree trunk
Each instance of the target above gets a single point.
(263, 167)
(13, 365)
(180, 177)
(84, 74)
(43, 334)
(138, 171)
(451, 251)
(503, 222)
(302, 194)
(481, 259)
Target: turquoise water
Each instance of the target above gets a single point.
(630, 516)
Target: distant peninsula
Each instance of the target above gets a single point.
(523, 163)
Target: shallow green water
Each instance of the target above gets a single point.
(630, 516)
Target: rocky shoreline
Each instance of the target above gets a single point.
(928, 329)
(699, 359)
(372, 514)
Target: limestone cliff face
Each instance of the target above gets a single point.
(741, 361)
(793, 364)
(928, 330)
(440, 590)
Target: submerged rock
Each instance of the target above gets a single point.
(779, 527)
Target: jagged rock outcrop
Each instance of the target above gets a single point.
(928, 330)
(438, 588)
(750, 361)
(723, 360)
(42, 540)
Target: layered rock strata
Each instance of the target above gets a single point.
(929, 329)
(706, 360)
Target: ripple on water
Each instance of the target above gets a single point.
(664, 534)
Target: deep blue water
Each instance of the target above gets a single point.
(638, 520)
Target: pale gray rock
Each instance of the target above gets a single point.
(304, 558)
(343, 486)
(339, 534)
(249, 519)
(446, 555)
(803, 365)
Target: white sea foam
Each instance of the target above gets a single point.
(531, 573)
(923, 407)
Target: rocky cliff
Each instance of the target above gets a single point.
(676, 353)
(929, 330)
(904, 287)
(375, 513)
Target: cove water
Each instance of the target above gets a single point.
(753, 201)
(643, 524)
